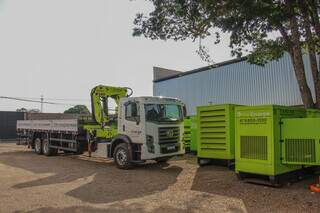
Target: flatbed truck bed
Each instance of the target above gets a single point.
(64, 134)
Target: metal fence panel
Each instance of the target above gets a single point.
(8, 121)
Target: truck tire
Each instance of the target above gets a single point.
(46, 149)
(38, 146)
(122, 157)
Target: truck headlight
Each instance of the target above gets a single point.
(150, 144)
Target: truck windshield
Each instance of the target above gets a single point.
(163, 112)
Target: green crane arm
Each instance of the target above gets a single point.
(99, 101)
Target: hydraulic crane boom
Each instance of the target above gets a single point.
(99, 101)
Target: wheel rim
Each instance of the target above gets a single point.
(37, 145)
(121, 157)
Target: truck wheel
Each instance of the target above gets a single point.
(47, 150)
(122, 157)
(38, 146)
(45, 147)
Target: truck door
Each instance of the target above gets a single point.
(131, 125)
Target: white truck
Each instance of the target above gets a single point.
(144, 128)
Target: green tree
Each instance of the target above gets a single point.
(78, 109)
(293, 25)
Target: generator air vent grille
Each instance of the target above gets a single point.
(213, 129)
(254, 147)
(187, 134)
(300, 150)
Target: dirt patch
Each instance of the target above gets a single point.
(66, 183)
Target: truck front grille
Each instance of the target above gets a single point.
(169, 135)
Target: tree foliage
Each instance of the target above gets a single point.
(78, 109)
(28, 110)
(264, 29)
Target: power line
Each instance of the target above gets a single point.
(56, 99)
(41, 101)
(34, 101)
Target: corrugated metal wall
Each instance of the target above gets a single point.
(8, 122)
(238, 83)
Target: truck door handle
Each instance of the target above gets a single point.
(123, 128)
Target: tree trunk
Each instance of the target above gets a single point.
(315, 75)
(313, 5)
(301, 79)
(297, 60)
(311, 49)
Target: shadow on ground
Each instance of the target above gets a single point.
(109, 183)
(257, 198)
(128, 209)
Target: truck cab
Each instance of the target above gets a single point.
(149, 128)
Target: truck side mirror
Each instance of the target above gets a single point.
(184, 109)
(137, 118)
(135, 112)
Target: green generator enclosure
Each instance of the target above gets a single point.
(313, 113)
(301, 141)
(216, 132)
(187, 133)
(258, 139)
(193, 142)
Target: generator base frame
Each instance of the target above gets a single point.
(217, 162)
(277, 180)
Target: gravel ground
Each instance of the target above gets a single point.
(66, 183)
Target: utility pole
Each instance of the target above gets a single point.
(41, 99)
